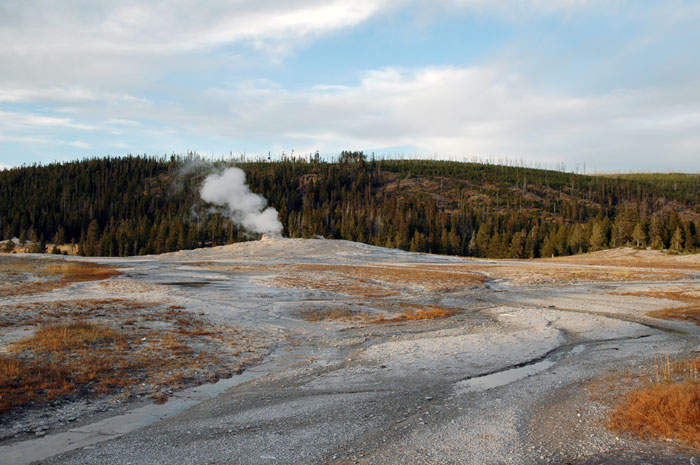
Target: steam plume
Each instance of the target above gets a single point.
(246, 208)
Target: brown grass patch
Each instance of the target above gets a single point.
(534, 274)
(427, 313)
(60, 359)
(22, 382)
(362, 280)
(374, 281)
(669, 407)
(19, 276)
(408, 312)
(627, 257)
(689, 312)
(47, 313)
(334, 314)
(70, 337)
(94, 349)
(336, 284)
(428, 277)
(414, 314)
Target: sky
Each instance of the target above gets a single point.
(584, 85)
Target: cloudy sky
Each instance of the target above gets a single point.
(610, 84)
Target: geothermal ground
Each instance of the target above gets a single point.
(332, 352)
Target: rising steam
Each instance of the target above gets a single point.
(244, 207)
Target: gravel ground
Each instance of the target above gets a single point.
(342, 393)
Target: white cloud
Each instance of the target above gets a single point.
(86, 66)
(167, 27)
(471, 111)
(23, 121)
(80, 144)
(485, 111)
(66, 95)
(5, 167)
(79, 52)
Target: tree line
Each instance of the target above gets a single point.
(139, 205)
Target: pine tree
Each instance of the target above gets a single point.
(639, 235)
(455, 241)
(495, 247)
(60, 236)
(379, 202)
(656, 233)
(677, 240)
(623, 228)
(577, 239)
(517, 246)
(483, 238)
(598, 239)
(445, 247)
(418, 243)
(548, 249)
(91, 247)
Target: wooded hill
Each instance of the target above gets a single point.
(143, 205)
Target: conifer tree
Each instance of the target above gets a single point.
(639, 235)
(677, 240)
(656, 233)
(548, 249)
(91, 245)
(598, 239)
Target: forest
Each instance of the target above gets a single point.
(137, 205)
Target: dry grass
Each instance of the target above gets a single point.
(689, 312)
(380, 278)
(47, 313)
(415, 313)
(427, 313)
(70, 337)
(407, 312)
(331, 283)
(77, 272)
(669, 407)
(67, 249)
(428, 277)
(19, 276)
(523, 274)
(60, 359)
(22, 382)
(372, 281)
(627, 257)
(95, 347)
(334, 314)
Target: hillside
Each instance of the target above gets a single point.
(142, 205)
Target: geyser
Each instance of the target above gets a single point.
(247, 209)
